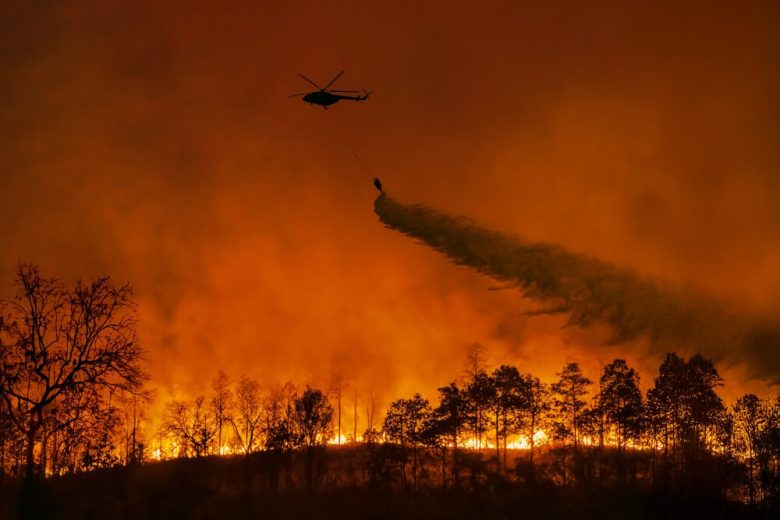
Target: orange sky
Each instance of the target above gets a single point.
(156, 143)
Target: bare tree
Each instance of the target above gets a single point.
(248, 414)
(57, 340)
(476, 362)
(191, 425)
(221, 403)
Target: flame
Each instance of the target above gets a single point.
(337, 439)
(523, 443)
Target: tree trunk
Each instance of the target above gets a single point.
(505, 436)
(455, 471)
(29, 470)
(414, 467)
(498, 444)
(32, 431)
(444, 467)
(309, 467)
(531, 441)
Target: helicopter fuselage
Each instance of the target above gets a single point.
(321, 98)
(325, 97)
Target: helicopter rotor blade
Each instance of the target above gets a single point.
(333, 80)
(344, 91)
(310, 81)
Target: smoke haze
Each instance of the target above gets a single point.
(154, 142)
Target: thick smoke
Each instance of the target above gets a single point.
(593, 292)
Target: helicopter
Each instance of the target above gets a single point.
(326, 97)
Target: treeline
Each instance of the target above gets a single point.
(679, 436)
(72, 400)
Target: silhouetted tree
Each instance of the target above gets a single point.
(480, 395)
(314, 419)
(508, 400)
(79, 421)
(569, 390)
(621, 399)
(449, 420)
(133, 406)
(476, 362)
(247, 415)
(191, 426)
(281, 432)
(768, 451)
(537, 403)
(405, 424)
(56, 340)
(619, 405)
(221, 404)
(686, 410)
(750, 421)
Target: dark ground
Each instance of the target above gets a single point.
(350, 483)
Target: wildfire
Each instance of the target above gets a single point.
(523, 443)
(337, 439)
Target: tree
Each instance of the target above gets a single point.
(480, 395)
(191, 426)
(476, 361)
(768, 451)
(279, 429)
(247, 414)
(536, 406)
(568, 391)
(221, 403)
(314, 419)
(279, 414)
(57, 339)
(686, 411)
(405, 424)
(449, 420)
(508, 401)
(79, 422)
(750, 421)
(132, 425)
(621, 401)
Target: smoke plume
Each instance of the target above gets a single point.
(593, 292)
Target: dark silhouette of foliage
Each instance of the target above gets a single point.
(449, 420)
(509, 400)
(405, 423)
(621, 401)
(568, 391)
(314, 420)
(63, 345)
(480, 396)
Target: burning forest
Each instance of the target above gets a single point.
(212, 307)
